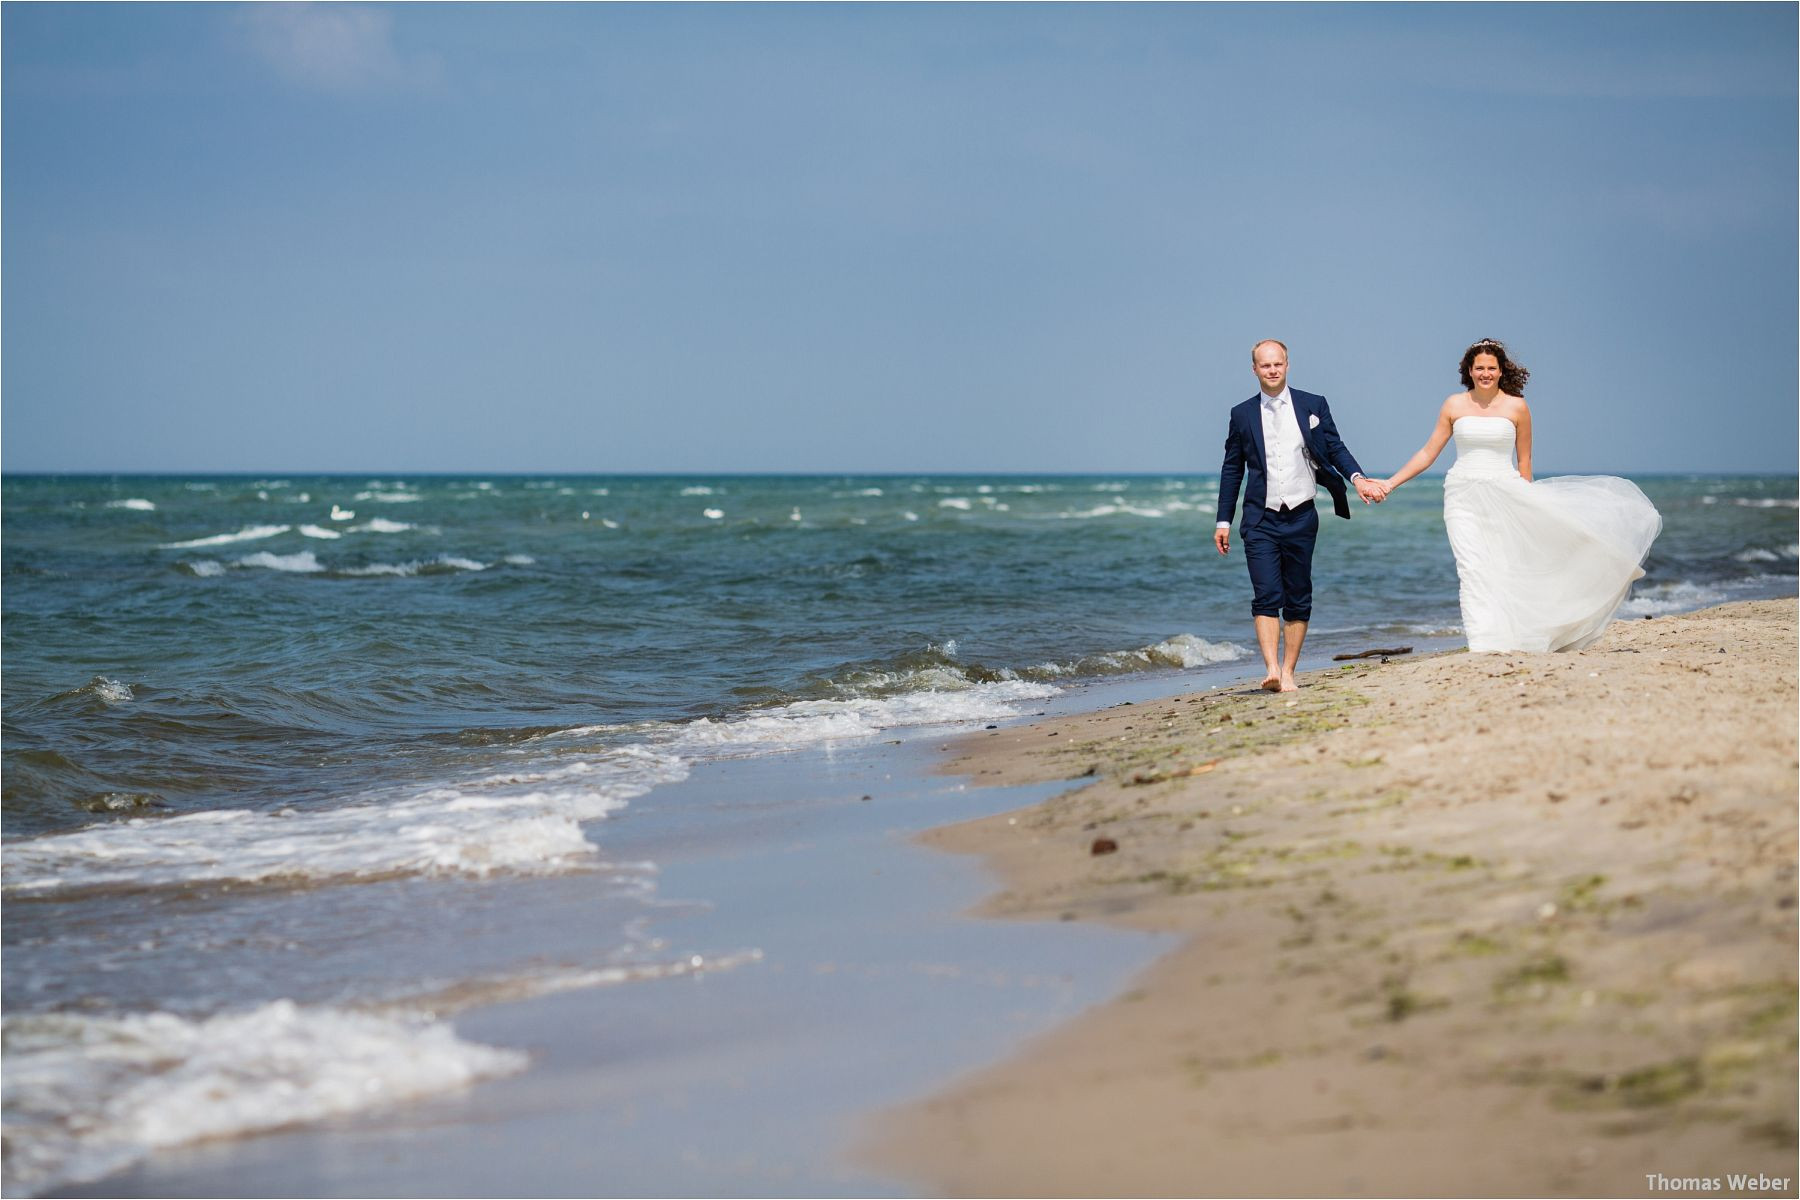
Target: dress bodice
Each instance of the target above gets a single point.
(1484, 446)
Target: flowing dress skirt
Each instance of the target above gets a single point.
(1545, 565)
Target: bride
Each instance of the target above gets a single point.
(1543, 565)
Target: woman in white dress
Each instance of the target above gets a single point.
(1543, 565)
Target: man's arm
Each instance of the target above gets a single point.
(1336, 453)
(1231, 476)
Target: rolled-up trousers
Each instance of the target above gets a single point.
(1279, 551)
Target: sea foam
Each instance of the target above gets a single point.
(249, 533)
(442, 563)
(810, 722)
(528, 824)
(1114, 510)
(1183, 651)
(304, 563)
(89, 1095)
(1663, 598)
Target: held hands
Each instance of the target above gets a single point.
(1372, 491)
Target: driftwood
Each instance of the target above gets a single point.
(1173, 773)
(1372, 653)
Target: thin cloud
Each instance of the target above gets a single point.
(337, 48)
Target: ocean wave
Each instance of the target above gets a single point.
(304, 563)
(696, 491)
(1661, 599)
(1763, 554)
(1114, 510)
(1184, 651)
(390, 497)
(938, 668)
(382, 525)
(110, 690)
(509, 825)
(135, 504)
(442, 564)
(1416, 629)
(249, 533)
(960, 503)
(88, 1095)
(314, 531)
(1187, 651)
(810, 722)
(1765, 502)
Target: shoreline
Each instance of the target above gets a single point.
(1498, 924)
(859, 982)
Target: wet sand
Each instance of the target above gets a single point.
(1483, 925)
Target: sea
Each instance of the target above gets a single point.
(272, 743)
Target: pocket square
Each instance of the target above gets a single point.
(1312, 422)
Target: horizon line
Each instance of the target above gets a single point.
(102, 472)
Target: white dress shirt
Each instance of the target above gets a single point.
(1291, 481)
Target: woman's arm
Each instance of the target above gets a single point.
(1524, 441)
(1440, 436)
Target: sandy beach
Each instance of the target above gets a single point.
(1483, 925)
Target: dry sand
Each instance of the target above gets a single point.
(1483, 925)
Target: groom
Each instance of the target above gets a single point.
(1281, 445)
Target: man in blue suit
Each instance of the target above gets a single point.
(1281, 446)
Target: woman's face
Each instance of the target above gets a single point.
(1485, 371)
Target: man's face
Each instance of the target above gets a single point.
(1271, 367)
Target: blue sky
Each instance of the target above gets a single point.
(885, 238)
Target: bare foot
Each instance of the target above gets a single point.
(1287, 684)
(1272, 683)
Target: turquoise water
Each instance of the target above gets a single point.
(244, 714)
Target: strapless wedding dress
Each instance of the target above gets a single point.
(1544, 565)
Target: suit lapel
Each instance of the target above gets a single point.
(1256, 429)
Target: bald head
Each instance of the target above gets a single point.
(1269, 360)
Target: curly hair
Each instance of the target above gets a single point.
(1512, 374)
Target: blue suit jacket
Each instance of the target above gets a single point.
(1246, 463)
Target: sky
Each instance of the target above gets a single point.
(884, 238)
